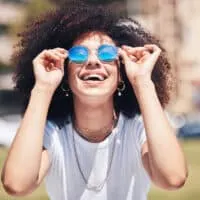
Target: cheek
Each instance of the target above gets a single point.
(114, 71)
(71, 71)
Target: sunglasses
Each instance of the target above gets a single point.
(105, 53)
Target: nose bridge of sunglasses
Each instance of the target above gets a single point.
(93, 55)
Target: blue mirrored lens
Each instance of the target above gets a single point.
(107, 53)
(78, 54)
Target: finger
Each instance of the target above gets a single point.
(124, 56)
(49, 59)
(50, 66)
(145, 56)
(133, 58)
(132, 49)
(50, 55)
(58, 54)
(139, 53)
(142, 60)
(156, 51)
(61, 52)
(62, 56)
(152, 48)
(145, 53)
(46, 63)
(54, 62)
(50, 63)
(136, 51)
(53, 68)
(54, 58)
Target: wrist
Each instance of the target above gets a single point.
(143, 85)
(43, 89)
(142, 81)
(144, 90)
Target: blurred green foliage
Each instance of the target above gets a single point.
(4, 68)
(36, 8)
(32, 10)
(3, 28)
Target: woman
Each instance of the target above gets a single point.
(94, 123)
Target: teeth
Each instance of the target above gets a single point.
(91, 76)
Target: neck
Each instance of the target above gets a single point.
(94, 122)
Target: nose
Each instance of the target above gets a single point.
(93, 60)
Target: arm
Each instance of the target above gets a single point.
(27, 162)
(21, 169)
(162, 156)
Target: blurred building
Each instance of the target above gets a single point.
(176, 23)
(10, 13)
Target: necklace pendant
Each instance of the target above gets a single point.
(95, 188)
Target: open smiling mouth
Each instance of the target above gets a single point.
(93, 77)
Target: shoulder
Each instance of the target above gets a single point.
(134, 128)
(51, 131)
(51, 127)
(135, 123)
(54, 131)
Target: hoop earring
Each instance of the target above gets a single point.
(121, 87)
(65, 90)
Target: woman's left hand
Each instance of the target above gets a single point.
(139, 61)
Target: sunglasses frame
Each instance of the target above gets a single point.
(88, 50)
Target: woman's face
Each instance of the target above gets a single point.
(93, 78)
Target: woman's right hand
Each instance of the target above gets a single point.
(48, 68)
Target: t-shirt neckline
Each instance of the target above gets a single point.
(103, 143)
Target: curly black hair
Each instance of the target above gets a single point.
(60, 28)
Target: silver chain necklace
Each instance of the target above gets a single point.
(106, 129)
(96, 188)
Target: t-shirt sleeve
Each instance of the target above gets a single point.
(142, 138)
(141, 132)
(48, 135)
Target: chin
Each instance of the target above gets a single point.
(94, 94)
(97, 92)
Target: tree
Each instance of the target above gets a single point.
(37, 7)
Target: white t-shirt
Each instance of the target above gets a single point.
(118, 158)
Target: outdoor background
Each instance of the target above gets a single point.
(175, 22)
